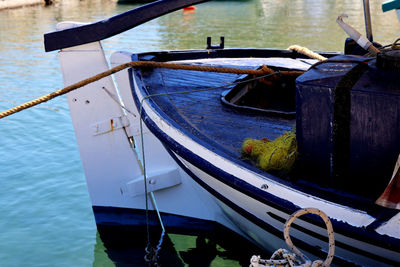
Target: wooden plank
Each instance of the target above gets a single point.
(106, 28)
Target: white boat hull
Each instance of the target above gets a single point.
(187, 179)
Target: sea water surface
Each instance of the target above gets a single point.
(45, 210)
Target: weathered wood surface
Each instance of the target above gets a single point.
(203, 115)
(117, 24)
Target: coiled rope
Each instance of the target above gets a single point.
(283, 257)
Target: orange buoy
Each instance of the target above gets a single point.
(189, 8)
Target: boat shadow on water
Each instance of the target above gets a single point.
(213, 245)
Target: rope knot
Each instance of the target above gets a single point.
(266, 70)
(284, 258)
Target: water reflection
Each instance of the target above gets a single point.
(277, 24)
(122, 247)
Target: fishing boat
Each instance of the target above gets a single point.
(179, 139)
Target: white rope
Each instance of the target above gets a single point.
(305, 51)
(282, 257)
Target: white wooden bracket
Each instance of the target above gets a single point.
(156, 180)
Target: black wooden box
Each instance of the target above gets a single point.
(348, 125)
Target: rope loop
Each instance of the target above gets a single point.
(283, 257)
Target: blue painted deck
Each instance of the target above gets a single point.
(203, 114)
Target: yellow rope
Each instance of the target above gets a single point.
(144, 64)
(63, 91)
(277, 155)
(284, 258)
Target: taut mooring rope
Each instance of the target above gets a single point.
(144, 64)
(152, 64)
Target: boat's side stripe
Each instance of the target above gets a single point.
(113, 216)
(260, 223)
(256, 193)
(269, 228)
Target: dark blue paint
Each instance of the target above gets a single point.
(136, 218)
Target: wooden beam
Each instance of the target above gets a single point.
(112, 26)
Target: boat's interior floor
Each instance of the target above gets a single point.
(202, 114)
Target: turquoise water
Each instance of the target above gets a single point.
(46, 217)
